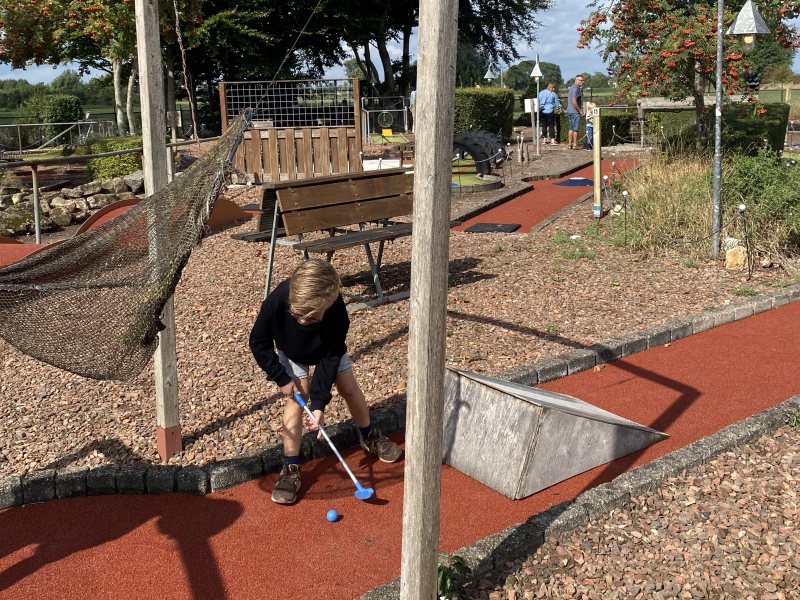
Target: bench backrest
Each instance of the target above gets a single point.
(322, 204)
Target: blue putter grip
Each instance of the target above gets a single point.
(300, 400)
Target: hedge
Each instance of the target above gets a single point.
(491, 109)
(744, 132)
(53, 108)
(102, 169)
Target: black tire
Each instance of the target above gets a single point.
(467, 145)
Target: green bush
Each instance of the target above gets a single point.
(491, 109)
(52, 108)
(746, 132)
(102, 169)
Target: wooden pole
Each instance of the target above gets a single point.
(438, 25)
(148, 44)
(598, 173)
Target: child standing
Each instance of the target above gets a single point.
(590, 126)
(305, 319)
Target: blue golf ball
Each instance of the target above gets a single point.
(332, 516)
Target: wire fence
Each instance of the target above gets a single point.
(300, 103)
(381, 114)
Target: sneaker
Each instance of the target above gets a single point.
(554, 143)
(287, 486)
(379, 444)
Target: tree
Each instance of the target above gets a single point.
(668, 47)
(471, 65)
(551, 73)
(352, 70)
(769, 52)
(781, 73)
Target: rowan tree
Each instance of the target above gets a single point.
(668, 47)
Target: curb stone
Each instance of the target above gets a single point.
(191, 479)
(521, 539)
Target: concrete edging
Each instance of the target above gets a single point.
(518, 540)
(145, 478)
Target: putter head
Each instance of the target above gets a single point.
(363, 493)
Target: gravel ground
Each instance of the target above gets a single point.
(728, 529)
(514, 299)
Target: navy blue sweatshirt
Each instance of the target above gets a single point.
(320, 344)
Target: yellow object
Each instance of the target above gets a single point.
(387, 132)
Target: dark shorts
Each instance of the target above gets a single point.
(574, 121)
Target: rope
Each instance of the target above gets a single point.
(185, 77)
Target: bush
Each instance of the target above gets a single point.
(52, 108)
(102, 169)
(674, 197)
(491, 109)
(745, 131)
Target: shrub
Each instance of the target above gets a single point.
(52, 108)
(674, 197)
(491, 109)
(745, 131)
(102, 169)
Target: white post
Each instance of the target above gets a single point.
(596, 146)
(148, 42)
(438, 25)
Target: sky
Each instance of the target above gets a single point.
(556, 43)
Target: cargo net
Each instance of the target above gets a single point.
(92, 304)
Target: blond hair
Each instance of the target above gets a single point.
(314, 286)
(551, 86)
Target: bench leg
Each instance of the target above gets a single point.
(380, 255)
(375, 279)
(302, 239)
(271, 251)
(331, 233)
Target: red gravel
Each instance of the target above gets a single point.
(238, 544)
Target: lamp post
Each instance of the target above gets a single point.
(489, 75)
(537, 75)
(748, 24)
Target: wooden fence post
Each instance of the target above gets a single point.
(438, 25)
(148, 43)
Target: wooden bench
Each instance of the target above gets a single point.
(332, 203)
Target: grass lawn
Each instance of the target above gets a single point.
(464, 173)
(377, 138)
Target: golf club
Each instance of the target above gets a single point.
(362, 493)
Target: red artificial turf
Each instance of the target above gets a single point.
(237, 544)
(545, 199)
(10, 253)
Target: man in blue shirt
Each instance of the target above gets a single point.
(574, 111)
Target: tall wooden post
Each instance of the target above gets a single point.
(148, 44)
(598, 158)
(438, 25)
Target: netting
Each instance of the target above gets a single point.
(92, 304)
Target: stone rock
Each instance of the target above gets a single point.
(62, 215)
(114, 186)
(39, 486)
(192, 479)
(130, 479)
(71, 483)
(135, 181)
(161, 479)
(6, 232)
(766, 262)
(79, 216)
(64, 203)
(90, 189)
(17, 198)
(101, 200)
(72, 192)
(102, 480)
(48, 195)
(10, 492)
(61, 201)
(16, 223)
(6, 201)
(9, 190)
(736, 258)
(44, 207)
(81, 204)
(126, 195)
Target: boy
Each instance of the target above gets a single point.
(306, 320)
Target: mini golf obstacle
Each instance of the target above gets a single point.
(519, 440)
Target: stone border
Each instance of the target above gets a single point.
(589, 161)
(519, 540)
(146, 478)
(495, 183)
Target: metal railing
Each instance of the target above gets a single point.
(23, 139)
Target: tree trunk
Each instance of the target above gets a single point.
(699, 128)
(406, 59)
(116, 66)
(131, 82)
(386, 62)
(172, 120)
